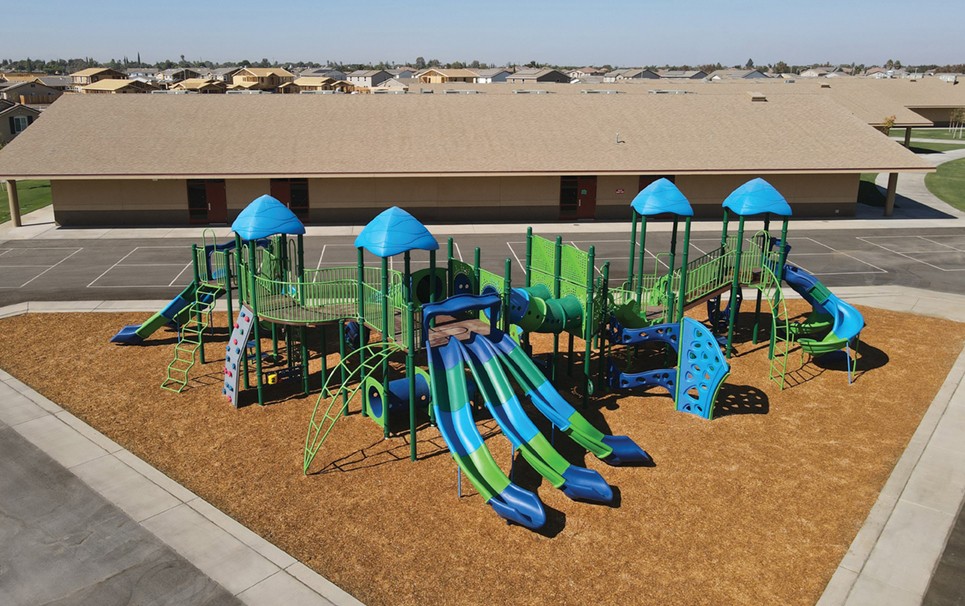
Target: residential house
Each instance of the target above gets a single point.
(949, 77)
(177, 74)
(307, 84)
(583, 72)
(681, 74)
(538, 75)
(438, 75)
(144, 74)
(204, 86)
(393, 85)
(815, 72)
(403, 73)
(61, 83)
(266, 79)
(736, 74)
(635, 74)
(95, 74)
(118, 87)
(14, 119)
(491, 75)
(368, 78)
(222, 74)
(324, 72)
(28, 93)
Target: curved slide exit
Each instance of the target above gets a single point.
(846, 321)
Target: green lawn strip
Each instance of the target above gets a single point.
(32, 195)
(948, 183)
(930, 133)
(930, 148)
(868, 192)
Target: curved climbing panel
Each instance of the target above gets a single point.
(701, 369)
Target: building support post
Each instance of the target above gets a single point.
(890, 194)
(14, 203)
(907, 136)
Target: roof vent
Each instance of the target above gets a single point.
(825, 85)
(601, 92)
(758, 97)
(530, 92)
(665, 91)
(454, 91)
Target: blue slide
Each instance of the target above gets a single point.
(173, 312)
(846, 321)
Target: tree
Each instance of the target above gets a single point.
(781, 68)
(420, 62)
(890, 64)
(749, 64)
(897, 64)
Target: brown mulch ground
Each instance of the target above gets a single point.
(756, 506)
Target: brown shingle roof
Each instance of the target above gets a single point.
(94, 136)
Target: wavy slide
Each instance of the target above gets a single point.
(846, 322)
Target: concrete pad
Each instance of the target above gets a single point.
(282, 588)
(950, 433)
(938, 482)
(152, 474)
(16, 408)
(60, 441)
(838, 587)
(115, 306)
(237, 530)
(872, 592)
(221, 556)
(909, 547)
(134, 494)
(89, 432)
(332, 592)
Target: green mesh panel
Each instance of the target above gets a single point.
(575, 263)
(543, 255)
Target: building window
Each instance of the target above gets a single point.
(18, 124)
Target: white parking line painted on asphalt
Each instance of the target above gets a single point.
(908, 255)
(51, 267)
(321, 256)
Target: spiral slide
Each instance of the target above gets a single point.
(846, 321)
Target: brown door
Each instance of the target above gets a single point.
(586, 197)
(281, 190)
(217, 201)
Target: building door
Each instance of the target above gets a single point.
(217, 201)
(207, 201)
(293, 193)
(578, 197)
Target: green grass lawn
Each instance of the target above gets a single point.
(868, 192)
(32, 195)
(930, 133)
(948, 183)
(930, 148)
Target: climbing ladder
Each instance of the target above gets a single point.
(190, 337)
(781, 336)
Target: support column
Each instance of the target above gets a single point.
(890, 195)
(907, 136)
(14, 202)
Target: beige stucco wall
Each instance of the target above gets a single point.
(477, 199)
(941, 116)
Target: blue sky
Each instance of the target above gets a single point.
(563, 32)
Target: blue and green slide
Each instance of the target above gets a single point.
(174, 312)
(489, 357)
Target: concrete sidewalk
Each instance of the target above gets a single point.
(86, 521)
(891, 560)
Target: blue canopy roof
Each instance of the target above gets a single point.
(264, 217)
(394, 231)
(661, 197)
(755, 197)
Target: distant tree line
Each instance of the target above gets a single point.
(67, 66)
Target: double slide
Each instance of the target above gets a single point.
(492, 359)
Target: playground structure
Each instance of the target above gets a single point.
(462, 333)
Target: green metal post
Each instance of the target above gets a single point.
(557, 270)
(604, 315)
(410, 374)
(385, 343)
(448, 265)
(197, 282)
(764, 245)
(643, 253)
(735, 284)
(681, 301)
(341, 358)
(361, 311)
(780, 267)
(475, 270)
(673, 257)
(227, 281)
(633, 247)
(303, 337)
(529, 256)
(254, 309)
(588, 315)
(239, 261)
(274, 341)
(324, 351)
(507, 288)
